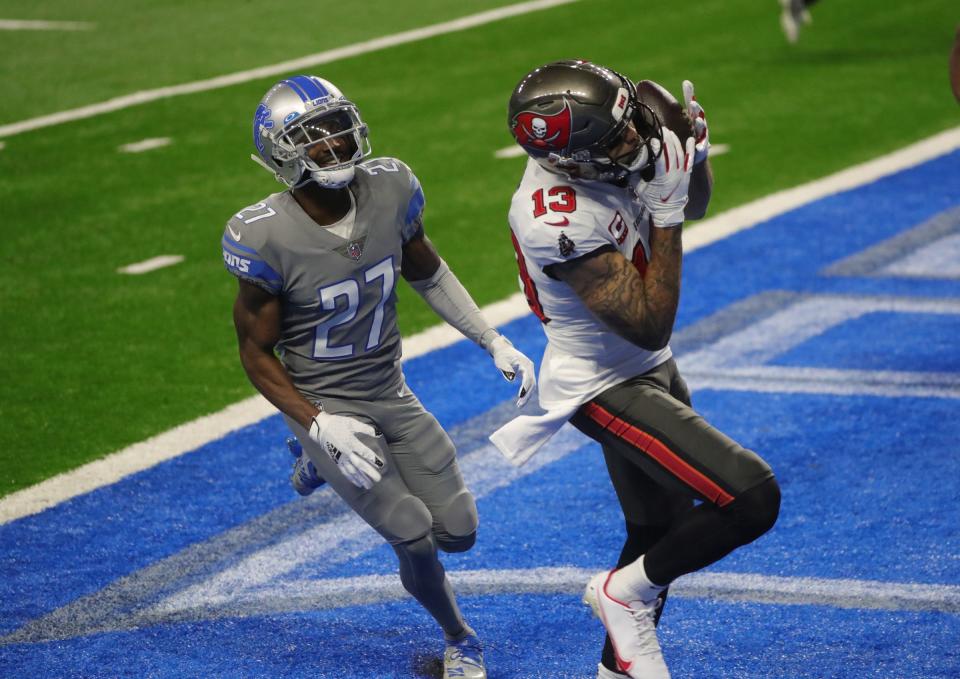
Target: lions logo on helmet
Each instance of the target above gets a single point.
(299, 113)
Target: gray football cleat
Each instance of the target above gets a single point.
(304, 478)
(463, 658)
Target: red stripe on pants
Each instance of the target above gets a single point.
(656, 449)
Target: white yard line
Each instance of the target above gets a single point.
(126, 101)
(25, 25)
(151, 264)
(512, 151)
(346, 536)
(194, 434)
(746, 587)
(719, 149)
(144, 145)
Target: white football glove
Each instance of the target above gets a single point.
(510, 361)
(337, 434)
(666, 194)
(701, 132)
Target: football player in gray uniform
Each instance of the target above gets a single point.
(315, 316)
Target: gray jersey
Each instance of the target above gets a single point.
(339, 335)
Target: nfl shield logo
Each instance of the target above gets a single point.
(355, 250)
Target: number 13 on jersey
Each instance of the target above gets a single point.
(558, 199)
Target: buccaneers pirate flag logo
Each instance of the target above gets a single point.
(543, 132)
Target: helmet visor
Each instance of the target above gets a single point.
(327, 139)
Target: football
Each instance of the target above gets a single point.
(668, 110)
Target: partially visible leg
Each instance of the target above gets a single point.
(681, 452)
(403, 519)
(648, 509)
(649, 423)
(426, 458)
(424, 578)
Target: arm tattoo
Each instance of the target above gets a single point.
(639, 309)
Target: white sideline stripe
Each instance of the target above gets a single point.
(145, 96)
(151, 264)
(347, 536)
(144, 145)
(728, 587)
(24, 25)
(193, 434)
(748, 215)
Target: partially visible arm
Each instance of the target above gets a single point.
(430, 276)
(641, 309)
(256, 315)
(701, 179)
(701, 187)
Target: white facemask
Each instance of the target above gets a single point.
(333, 179)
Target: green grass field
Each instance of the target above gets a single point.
(94, 360)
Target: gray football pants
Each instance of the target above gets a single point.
(422, 491)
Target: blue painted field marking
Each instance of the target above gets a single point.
(869, 481)
(744, 360)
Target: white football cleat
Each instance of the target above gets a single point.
(632, 629)
(464, 658)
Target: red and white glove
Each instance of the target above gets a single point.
(666, 194)
(701, 132)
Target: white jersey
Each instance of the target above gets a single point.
(555, 220)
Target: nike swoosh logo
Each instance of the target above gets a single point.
(562, 222)
(664, 199)
(236, 236)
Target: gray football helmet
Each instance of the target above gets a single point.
(568, 115)
(299, 113)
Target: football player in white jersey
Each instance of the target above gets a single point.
(596, 222)
(315, 316)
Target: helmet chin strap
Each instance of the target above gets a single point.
(333, 179)
(328, 179)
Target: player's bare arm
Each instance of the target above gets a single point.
(256, 316)
(420, 258)
(641, 309)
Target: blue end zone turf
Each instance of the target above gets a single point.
(210, 565)
(884, 341)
